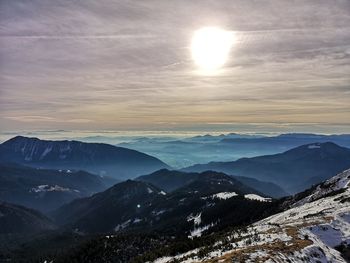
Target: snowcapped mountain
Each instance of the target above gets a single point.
(215, 199)
(316, 228)
(99, 158)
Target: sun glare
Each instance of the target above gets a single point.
(211, 47)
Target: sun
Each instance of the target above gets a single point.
(211, 47)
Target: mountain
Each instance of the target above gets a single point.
(104, 211)
(217, 138)
(288, 140)
(44, 189)
(294, 170)
(210, 182)
(180, 153)
(172, 180)
(15, 219)
(314, 228)
(311, 226)
(96, 158)
(139, 207)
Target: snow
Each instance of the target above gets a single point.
(157, 213)
(327, 234)
(163, 260)
(149, 190)
(257, 198)
(196, 219)
(314, 146)
(162, 193)
(309, 230)
(47, 188)
(46, 151)
(319, 251)
(137, 220)
(197, 232)
(336, 183)
(346, 217)
(224, 195)
(122, 225)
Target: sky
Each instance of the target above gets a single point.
(127, 65)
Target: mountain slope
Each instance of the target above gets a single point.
(294, 170)
(107, 210)
(44, 189)
(172, 180)
(16, 219)
(97, 158)
(136, 206)
(315, 229)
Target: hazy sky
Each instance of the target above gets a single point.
(126, 65)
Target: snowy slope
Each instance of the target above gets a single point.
(307, 232)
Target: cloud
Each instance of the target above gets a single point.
(45, 119)
(127, 64)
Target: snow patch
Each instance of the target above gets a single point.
(314, 146)
(122, 225)
(48, 188)
(47, 151)
(257, 198)
(197, 232)
(137, 220)
(224, 195)
(196, 219)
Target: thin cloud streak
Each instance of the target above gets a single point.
(127, 64)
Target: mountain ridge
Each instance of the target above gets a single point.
(154, 210)
(170, 180)
(98, 158)
(313, 162)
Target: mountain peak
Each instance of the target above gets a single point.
(328, 148)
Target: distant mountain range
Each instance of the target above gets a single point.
(98, 158)
(172, 180)
(217, 199)
(46, 190)
(226, 147)
(294, 170)
(292, 138)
